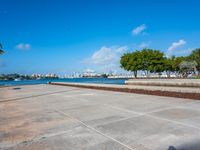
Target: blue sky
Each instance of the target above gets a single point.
(65, 36)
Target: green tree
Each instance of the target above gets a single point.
(168, 65)
(152, 61)
(195, 55)
(187, 67)
(176, 62)
(131, 62)
(147, 60)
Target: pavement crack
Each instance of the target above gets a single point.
(172, 121)
(23, 98)
(95, 130)
(149, 114)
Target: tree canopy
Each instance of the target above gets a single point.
(195, 55)
(147, 60)
(187, 67)
(132, 62)
(154, 61)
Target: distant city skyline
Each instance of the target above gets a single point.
(63, 37)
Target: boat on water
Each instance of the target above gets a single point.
(17, 80)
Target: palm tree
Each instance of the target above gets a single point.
(1, 49)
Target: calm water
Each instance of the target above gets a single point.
(78, 80)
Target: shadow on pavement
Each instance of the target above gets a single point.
(186, 146)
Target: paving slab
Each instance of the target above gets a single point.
(145, 132)
(185, 115)
(17, 92)
(22, 124)
(66, 118)
(77, 138)
(98, 114)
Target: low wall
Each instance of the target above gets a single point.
(165, 82)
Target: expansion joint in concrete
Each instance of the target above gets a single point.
(95, 130)
(24, 98)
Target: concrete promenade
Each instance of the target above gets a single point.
(51, 117)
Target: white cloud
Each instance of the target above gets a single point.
(107, 54)
(144, 45)
(138, 30)
(23, 46)
(106, 58)
(176, 45)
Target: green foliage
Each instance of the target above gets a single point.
(169, 65)
(22, 77)
(131, 62)
(147, 60)
(9, 76)
(195, 55)
(187, 67)
(152, 60)
(176, 62)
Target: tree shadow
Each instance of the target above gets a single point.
(186, 146)
(16, 88)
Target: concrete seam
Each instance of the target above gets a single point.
(19, 99)
(93, 129)
(176, 122)
(152, 116)
(130, 111)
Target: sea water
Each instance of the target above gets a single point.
(77, 80)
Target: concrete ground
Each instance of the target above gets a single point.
(43, 117)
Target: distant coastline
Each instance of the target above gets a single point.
(120, 81)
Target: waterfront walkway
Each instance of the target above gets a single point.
(51, 117)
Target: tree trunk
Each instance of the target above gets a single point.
(135, 73)
(148, 74)
(168, 74)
